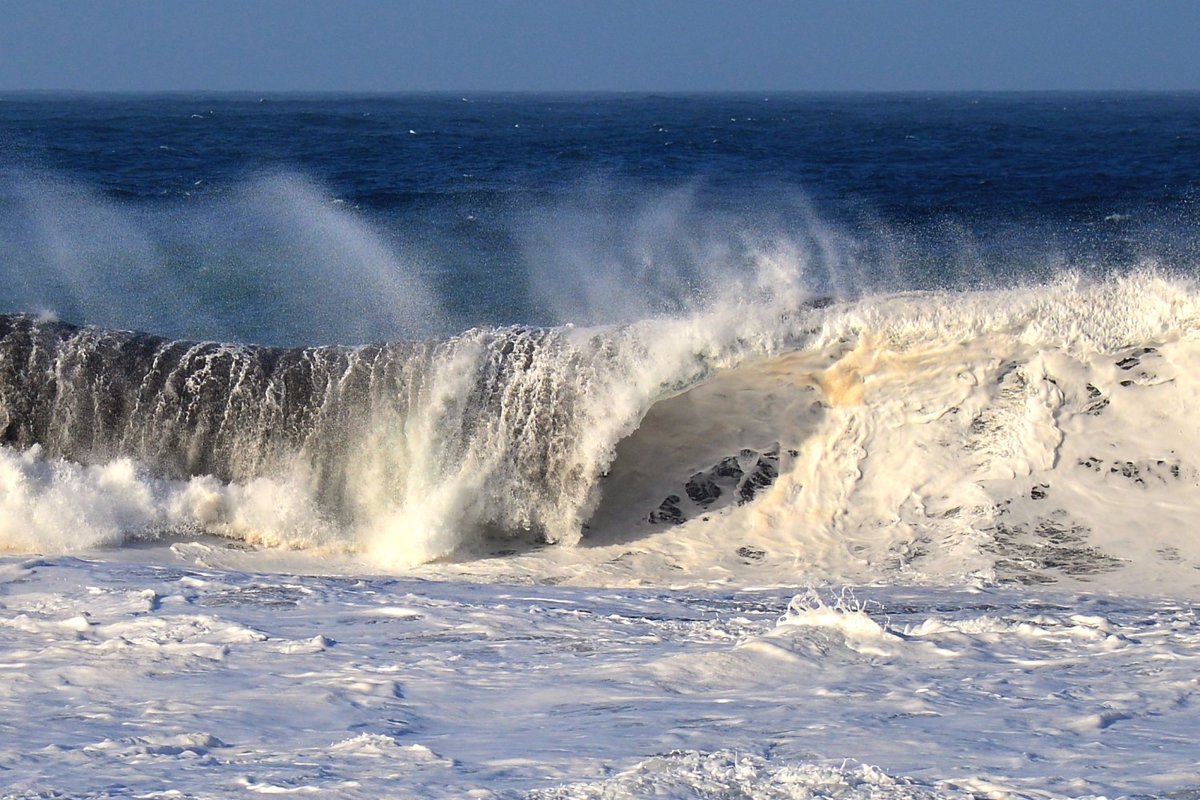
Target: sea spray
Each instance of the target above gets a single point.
(275, 258)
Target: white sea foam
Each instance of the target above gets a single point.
(51, 505)
(180, 677)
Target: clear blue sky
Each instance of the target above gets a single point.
(622, 45)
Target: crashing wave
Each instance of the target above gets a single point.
(1013, 433)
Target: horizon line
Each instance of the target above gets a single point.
(464, 93)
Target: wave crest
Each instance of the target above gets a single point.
(917, 431)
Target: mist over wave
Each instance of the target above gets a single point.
(279, 258)
(273, 259)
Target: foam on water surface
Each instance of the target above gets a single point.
(133, 678)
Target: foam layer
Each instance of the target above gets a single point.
(182, 678)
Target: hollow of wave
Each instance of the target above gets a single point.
(1030, 435)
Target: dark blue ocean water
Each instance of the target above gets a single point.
(332, 218)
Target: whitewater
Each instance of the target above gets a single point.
(609, 491)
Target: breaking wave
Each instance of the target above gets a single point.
(1019, 434)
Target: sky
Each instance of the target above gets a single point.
(599, 45)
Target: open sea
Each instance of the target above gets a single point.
(600, 446)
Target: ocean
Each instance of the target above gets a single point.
(599, 446)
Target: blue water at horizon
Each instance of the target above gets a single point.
(230, 216)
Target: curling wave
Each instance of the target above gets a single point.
(1019, 434)
(495, 429)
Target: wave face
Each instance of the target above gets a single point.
(486, 430)
(1021, 434)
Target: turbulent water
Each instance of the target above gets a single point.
(946, 348)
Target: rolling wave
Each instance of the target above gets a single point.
(1021, 435)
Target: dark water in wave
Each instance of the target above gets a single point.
(300, 219)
